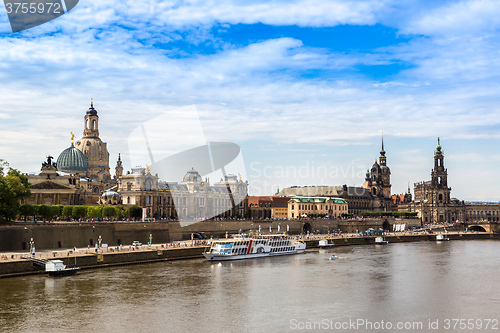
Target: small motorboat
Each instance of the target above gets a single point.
(440, 238)
(57, 268)
(323, 243)
(380, 241)
(334, 257)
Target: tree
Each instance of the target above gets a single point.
(119, 212)
(45, 211)
(79, 211)
(27, 210)
(14, 187)
(135, 211)
(67, 211)
(94, 211)
(109, 211)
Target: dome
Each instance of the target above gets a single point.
(110, 194)
(72, 160)
(192, 176)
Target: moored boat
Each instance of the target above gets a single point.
(57, 268)
(380, 241)
(323, 243)
(241, 247)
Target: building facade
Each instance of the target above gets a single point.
(192, 199)
(432, 199)
(300, 206)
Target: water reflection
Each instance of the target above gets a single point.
(400, 282)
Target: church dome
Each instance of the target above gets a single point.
(192, 176)
(110, 194)
(72, 160)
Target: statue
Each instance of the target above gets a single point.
(49, 160)
(72, 138)
(147, 168)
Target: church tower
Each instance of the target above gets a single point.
(439, 178)
(93, 148)
(385, 173)
(91, 122)
(118, 168)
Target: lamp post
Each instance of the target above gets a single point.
(99, 239)
(32, 242)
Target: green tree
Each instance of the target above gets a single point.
(109, 211)
(135, 211)
(45, 211)
(14, 187)
(119, 212)
(67, 211)
(94, 211)
(55, 211)
(79, 211)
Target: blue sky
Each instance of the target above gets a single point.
(304, 87)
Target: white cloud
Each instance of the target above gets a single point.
(457, 19)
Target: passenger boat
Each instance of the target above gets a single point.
(57, 268)
(241, 247)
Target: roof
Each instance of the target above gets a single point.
(317, 199)
(311, 191)
(72, 160)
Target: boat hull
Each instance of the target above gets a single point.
(219, 257)
(64, 272)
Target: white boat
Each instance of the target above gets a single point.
(57, 268)
(380, 241)
(241, 247)
(441, 238)
(323, 243)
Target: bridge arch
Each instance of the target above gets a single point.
(477, 228)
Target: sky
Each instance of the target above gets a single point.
(305, 88)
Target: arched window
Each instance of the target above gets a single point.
(148, 185)
(440, 197)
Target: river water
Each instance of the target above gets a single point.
(430, 283)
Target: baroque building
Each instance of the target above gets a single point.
(433, 201)
(373, 195)
(193, 199)
(94, 149)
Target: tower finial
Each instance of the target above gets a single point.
(72, 138)
(92, 102)
(382, 140)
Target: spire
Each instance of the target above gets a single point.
(408, 186)
(367, 177)
(92, 102)
(382, 152)
(438, 147)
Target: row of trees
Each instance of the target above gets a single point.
(393, 213)
(47, 212)
(14, 187)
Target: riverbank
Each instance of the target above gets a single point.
(16, 264)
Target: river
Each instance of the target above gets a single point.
(366, 289)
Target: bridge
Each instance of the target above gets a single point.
(484, 227)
